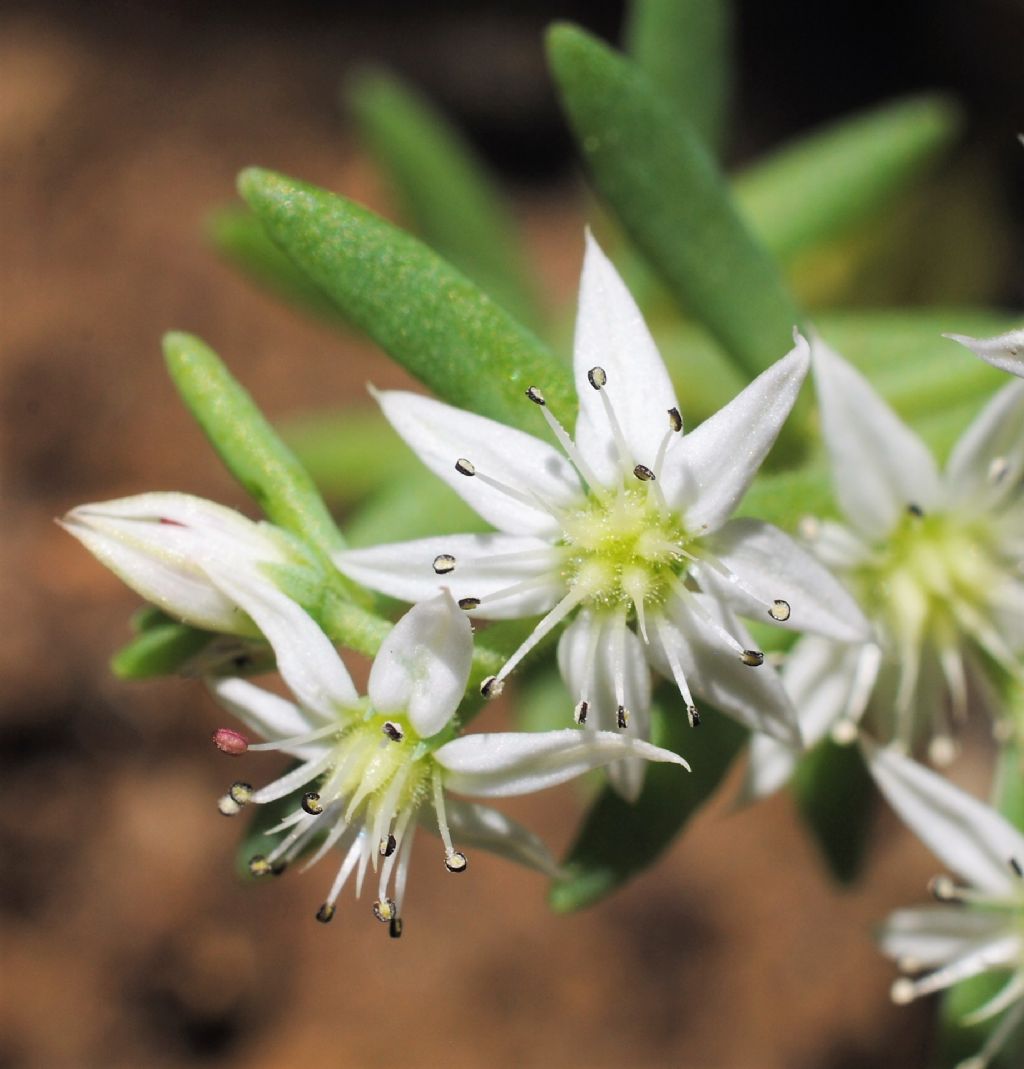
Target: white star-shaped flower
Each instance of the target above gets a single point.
(625, 531)
(1005, 351)
(977, 928)
(935, 561)
(373, 768)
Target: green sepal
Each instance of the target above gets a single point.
(443, 189)
(240, 239)
(248, 445)
(618, 840)
(685, 49)
(657, 176)
(837, 799)
(424, 313)
(824, 185)
(160, 649)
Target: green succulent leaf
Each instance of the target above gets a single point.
(423, 312)
(248, 445)
(443, 189)
(618, 840)
(685, 49)
(654, 171)
(823, 185)
(159, 649)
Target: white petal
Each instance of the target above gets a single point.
(611, 334)
(964, 833)
(593, 678)
(771, 565)
(474, 825)
(269, 715)
(1005, 351)
(753, 696)
(501, 764)
(819, 676)
(879, 465)
(440, 435)
(306, 659)
(711, 469)
(422, 666)
(931, 935)
(406, 570)
(987, 463)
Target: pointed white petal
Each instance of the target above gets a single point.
(484, 565)
(770, 565)
(269, 715)
(964, 833)
(306, 659)
(710, 470)
(987, 463)
(473, 825)
(836, 546)
(879, 465)
(587, 661)
(422, 666)
(441, 435)
(501, 764)
(770, 763)
(611, 334)
(927, 936)
(1005, 351)
(753, 696)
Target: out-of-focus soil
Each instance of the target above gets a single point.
(127, 940)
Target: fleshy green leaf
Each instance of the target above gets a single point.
(442, 188)
(159, 650)
(837, 799)
(827, 182)
(247, 444)
(238, 236)
(685, 49)
(423, 312)
(654, 171)
(618, 840)
(959, 1041)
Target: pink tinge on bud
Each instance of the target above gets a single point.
(230, 742)
(170, 523)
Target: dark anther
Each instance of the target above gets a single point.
(580, 715)
(444, 563)
(597, 378)
(754, 658)
(693, 716)
(491, 687)
(536, 396)
(387, 846)
(675, 420)
(622, 717)
(644, 473)
(464, 467)
(393, 731)
(469, 603)
(456, 861)
(395, 928)
(915, 510)
(780, 610)
(311, 803)
(241, 793)
(325, 914)
(259, 866)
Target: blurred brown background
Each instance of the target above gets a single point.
(127, 940)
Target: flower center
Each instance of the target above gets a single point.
(621, 548)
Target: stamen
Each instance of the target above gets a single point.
(241, 793)
(259, 866)
(387, 846)
(230, 742)
(597, 377)
(780, 610)
(465, 467)
(510, 591)
(227, 806)
(535, 396)
(580, 712)
(693, 716)
(456, 861)
(754, 658)
(942, 751)
(902, 991)
(915, 510)
(675, 420)
(384, 910)
(613, 423)
(547, 623)
(491, 688)
(666, 636)
(444, 563)
(395, 928)
(311, 803)
(442, 817)
(469, 603)
(325, 914)
(622, 717)
(644, 473)
(943, 889)
(392, 730)
(571, 451)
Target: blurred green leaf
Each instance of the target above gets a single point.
(618, 840)
(826, 183)
(418, 308)
(247, 444)
(685, 49)
(443, 189)
(959, 1041)
(836, 797)
(240, 238)
(655, 173)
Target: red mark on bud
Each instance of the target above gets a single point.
(170, 523)
(230, 742)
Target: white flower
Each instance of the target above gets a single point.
(373, 768)
(977, 928)
(629, 529)
(164, 544)
(935, 560)
(1005, 351)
